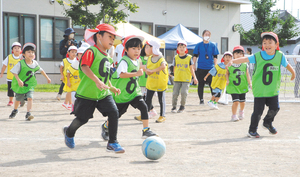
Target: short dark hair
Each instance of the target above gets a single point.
(135, 42)
(238, 51)
(269, 37)
(27, 49)
(143, 53)
(95, 35)
(205, 32)
(180, 44)
(250, 50)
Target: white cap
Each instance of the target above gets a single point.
(29, 44)
(182, 42)
(85, 44)
(81, 49)
(16, 44)
(227, 53)
(72, 48)
(155, 47)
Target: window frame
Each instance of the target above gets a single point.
(147, 23)
(227, 42)
(54, 18)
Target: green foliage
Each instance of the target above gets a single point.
(267, 20)
(78, 11)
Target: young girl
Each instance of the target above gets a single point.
(63, 71)
(157, 81)
(145, 53)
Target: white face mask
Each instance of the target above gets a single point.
(206, 38)
(71, 36)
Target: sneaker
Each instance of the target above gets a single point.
(160, 119)
(152, 113)
(114, 147)
(181, 109)
(10, 103)
(68, 141)
(67, 106)
(253, 135)
(241, 115)
(28, 116)
(58, 97)
(234, 118)
(70, 107)
(147, 133)
(13, 114)
(139, 118)
(216, 105)
(22, 103)
(201, 102)
(211, 104)
(271, 129)
(104, 132)
(173, 110)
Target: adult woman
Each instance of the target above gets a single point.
(69, 40)
(206, 52)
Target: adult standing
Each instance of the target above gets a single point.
(119, 50)
(69, 40)
(296, 51)
(207, 53)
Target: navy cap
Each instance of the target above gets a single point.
(69, 31)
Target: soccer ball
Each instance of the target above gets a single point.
(154, 148)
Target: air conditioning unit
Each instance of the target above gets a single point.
(216, 6)
(222, 7)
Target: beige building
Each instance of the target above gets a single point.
(43, 23)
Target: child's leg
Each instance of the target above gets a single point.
(235, 104)
(10, 92)
(61, 88)
(162, 102)
(184, 92)
(16, 104)
(273, 104)
(149, 97)
(68, 98)
(140, 104)
(259, 106)
(29, 104)
(176, 89)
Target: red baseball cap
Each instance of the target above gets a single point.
(89, 33)
(273, 35)
(239, 47)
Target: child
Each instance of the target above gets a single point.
(94, 90)
(145, 53)
(71, 55)
(10, 61)
(125, 78)
(219, 79)
(157, 81)
(183, 72)
(24, 79)
(238, 81)
(266, 81)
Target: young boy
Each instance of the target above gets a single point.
(71, 55)
(266, 81)
(125, 78)
(24, 79)
(219, 79)
(183, 72)
(238, 81)
(94, 90)
(10, 61)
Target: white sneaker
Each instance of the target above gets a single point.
(152, 113)
(67, 106)
(58, 97)
(241, 115)
(234, 118)
(211, 104)
(216, 105)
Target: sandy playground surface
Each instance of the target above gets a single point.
(200, 142)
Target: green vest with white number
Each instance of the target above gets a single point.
(87, 88)
(267, 75)
(238, 83)
(27, 76)
(129, 86)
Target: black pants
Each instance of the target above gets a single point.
(297, 79)
(259, 106)
(161, 100)
(10, 92)
(201, 73)
(61, 88)
(138, 103)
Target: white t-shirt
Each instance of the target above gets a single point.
(17, 68)
(119, 51)
(123, 66)
(70, 61)
(296, 51)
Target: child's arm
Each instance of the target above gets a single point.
(61, 73)
(142, 66)
(206, 76)
(21, 84)
(161, 67)
(289, 67)
(237, 61)
(2, 70)
(249, 79)
(113, 89)
(227, 77)
(134, 74)
(68, 79)
(193, 74)
(46, 76)
(89, 73)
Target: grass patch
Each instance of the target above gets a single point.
(38, 88)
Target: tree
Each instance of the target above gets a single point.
(79, 13)
(267, 20)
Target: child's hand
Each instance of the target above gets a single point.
(115, 90)
(227, 82)
(195, 81)
(48, 80)
(250, 85)
(228, 64)
(1, 75)
(69, 84)
(293, 77)
(101, 86)
(62, 78)
(21, 84)
(148, 72)
(140, 72)
(205, 78)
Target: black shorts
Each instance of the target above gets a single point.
(10, 92)
(84, 109)
(238, 97)
(138, 103)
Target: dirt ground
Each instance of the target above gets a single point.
(199, 142)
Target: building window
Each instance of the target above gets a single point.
(51, 33)
(224, 44)
(144, 26)
(161, 29)
(79, 32)
(18, 28)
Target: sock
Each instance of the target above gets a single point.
(145, 128)
(214, 102)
